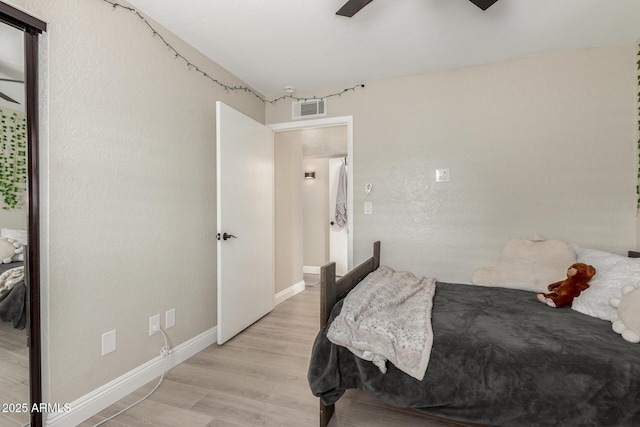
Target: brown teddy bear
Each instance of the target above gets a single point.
(562, 293)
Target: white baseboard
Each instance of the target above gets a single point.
(311, 269)
(105, 396)
(289, 292)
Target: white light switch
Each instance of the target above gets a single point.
(368, 208)
(108, 342)
(443, 175)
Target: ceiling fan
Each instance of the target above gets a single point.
(351, 7)
(5, 97)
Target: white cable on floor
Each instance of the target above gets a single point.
(164, 352)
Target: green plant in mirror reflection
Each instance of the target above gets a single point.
(13, 160)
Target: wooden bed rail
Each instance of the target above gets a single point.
(331, 291)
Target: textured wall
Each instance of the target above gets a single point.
(541, 145)
(316, 213)
(130, 210)
(288, 211)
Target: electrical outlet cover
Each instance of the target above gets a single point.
(154, 324)
(108, 342)
(170, 318)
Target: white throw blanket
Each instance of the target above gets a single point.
(387, 316)
(11, 277)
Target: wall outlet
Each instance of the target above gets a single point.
(108, 342)
(170, 318)
(154, 324)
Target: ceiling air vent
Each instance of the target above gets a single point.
(309, 108)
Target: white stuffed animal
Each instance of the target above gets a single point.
(628, 323)
(8, 250)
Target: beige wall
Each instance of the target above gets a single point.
(129, 200)
(288, 210)
(316, 213)
(541, 145)
(15, 218)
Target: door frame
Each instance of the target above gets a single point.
(31, 27)
(326, 122)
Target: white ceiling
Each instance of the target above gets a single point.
(275, 43)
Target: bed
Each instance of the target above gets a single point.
(13, 288)
(13, 301)
(499, 358)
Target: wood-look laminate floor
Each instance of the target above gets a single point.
(14, 373)
(258, 378)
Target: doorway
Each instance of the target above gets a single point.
(310, 134)
(325, 236)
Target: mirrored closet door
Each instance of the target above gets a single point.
(20, 346)
(14, 352)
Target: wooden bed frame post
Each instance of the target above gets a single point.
(331, 291)
(328, 300)
(327, 291)
(376, 255)
(326, 412)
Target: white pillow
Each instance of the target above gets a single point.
(598, 259)
(613, 272)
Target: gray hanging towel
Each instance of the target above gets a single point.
(341, 197)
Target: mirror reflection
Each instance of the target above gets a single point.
(14, 354)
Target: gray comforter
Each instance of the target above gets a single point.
(12, 302)
(501, 358)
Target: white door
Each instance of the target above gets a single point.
(244, 162)
(338, 237)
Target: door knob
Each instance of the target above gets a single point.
(226, 236)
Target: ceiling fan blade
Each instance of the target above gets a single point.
(483, 4)
(352, 7)
(6, 98)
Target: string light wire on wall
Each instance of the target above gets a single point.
(192, 66)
